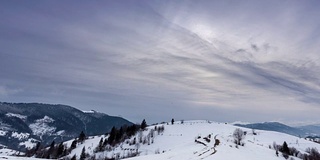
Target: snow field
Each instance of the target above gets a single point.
(177, 142)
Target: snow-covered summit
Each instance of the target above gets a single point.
(91, 111)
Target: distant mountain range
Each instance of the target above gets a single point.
(22, 125)
(302, 131)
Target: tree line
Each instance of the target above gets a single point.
(114, 137)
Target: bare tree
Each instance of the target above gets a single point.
(140, 136)
(137, 145)
(149, 138)
(151, 133)
(238, 136)
(254, 132)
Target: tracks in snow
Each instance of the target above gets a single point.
(204, 154)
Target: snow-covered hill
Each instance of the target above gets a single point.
(187, 140)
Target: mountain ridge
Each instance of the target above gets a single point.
(301, 131)
(48, 122)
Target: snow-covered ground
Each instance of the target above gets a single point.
(4, 126)
(29, 144)
(177, 142)
(3, 133)
(5, 152)
(41, 126)
(22, 117)
(18, 158)
(20, 136)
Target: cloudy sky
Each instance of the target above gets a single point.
(224, 60)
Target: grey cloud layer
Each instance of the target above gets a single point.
(146, 59)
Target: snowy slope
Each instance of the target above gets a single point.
(18, 158)
(178, 142)
(7, 152)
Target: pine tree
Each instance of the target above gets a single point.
(74, 157)
(34, 151)
(143, 124)
(60, 150)
(132, 130)
(119, 135)
(112, 135)
(105, 142)
(285, 149)
(51, 150)
(52, 144)
(82, 136)
(65, 151)
(100, 145)
(83, 154)
(37, 146)
(73, 144)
